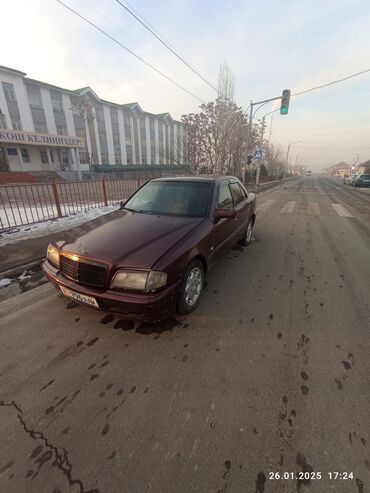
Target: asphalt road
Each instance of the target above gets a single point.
(270, 375)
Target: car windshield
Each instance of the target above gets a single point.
(178, 198)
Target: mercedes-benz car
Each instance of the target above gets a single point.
(149, 258)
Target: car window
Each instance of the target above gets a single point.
(237, 193)
(243, 192)
(225, 200)
(180, 198)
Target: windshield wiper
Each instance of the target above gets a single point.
(138, 211)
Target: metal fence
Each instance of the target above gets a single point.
(36, 202)
(32, 203)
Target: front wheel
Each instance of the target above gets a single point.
(248, 234)
(191, 287)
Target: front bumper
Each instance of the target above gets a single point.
(135, 306)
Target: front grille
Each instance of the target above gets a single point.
(83, 271)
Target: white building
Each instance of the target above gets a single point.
(44, 127)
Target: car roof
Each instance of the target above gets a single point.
(196, 178)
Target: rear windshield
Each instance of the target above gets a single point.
(178, 198)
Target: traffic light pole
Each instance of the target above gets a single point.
(251, 115)
(259, 161)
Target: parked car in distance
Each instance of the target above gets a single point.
(307, 173)
(149, 258)
(349, 179)
(362, 181)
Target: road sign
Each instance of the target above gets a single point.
(258, 154)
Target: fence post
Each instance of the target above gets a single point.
(56, 197)
(104, 186)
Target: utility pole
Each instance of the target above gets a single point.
(287, 160)
(270, 128)
(287, 155)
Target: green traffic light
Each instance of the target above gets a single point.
(283, 110)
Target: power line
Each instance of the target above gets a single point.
(167, 45)
(130, 51)
(333, 82)
(109, 19)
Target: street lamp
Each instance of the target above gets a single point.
(287, 154)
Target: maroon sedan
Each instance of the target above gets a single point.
(149, 258)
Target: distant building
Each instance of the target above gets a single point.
(363, 168)
(45, 127)
(339, 169)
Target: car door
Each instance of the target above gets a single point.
(242, 207)
(224, 228)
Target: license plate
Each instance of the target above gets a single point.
(89, 300)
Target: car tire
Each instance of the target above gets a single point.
(191, 287)
(247, 235)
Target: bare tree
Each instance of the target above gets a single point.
(216, 137)
(226, 82)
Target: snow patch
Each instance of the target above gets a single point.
(5, 282)
(53, 226)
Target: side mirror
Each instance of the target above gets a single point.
(224, 213)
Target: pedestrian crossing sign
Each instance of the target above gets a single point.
(258, 154)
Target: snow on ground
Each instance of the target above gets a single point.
(26, 232)
(5, 282)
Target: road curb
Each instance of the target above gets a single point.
(21, 267)
(23, 301)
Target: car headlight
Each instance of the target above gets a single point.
(141, 281)
(53, 255)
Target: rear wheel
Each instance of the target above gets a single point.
(191, 287)
(247, 235)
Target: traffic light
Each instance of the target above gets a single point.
(284, 105)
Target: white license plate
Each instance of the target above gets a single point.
(89, 300)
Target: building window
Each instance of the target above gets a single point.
(56, 101)
(152, 129)
(16, 123)
(62, 130)
(41, 128)
(84, 157)
(104, 158)
(99, 114)
(129, 154)
(9, 91)
(102, 138)
(34, 96)
(44, 157)
(114, 116)
(25, 156)
(11, 151)
(127, 122)
(64, 156)
(152, 155)
(2, 120)
(117, 148)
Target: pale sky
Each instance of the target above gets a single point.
(269, 45)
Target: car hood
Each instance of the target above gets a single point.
(127, 239)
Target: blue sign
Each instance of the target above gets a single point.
(258, 154)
